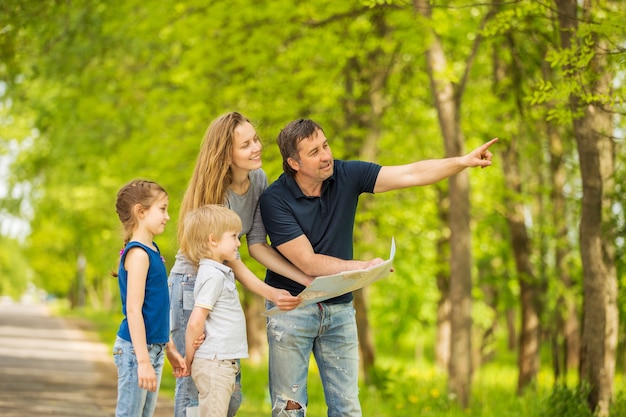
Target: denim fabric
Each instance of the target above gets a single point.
(327, 330)
(181, 302)
(133, 401)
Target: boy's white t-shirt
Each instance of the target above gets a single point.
(225, 326)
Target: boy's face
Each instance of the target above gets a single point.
(228, 246)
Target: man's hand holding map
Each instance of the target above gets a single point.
(325, 287)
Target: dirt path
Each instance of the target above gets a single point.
(48, 367)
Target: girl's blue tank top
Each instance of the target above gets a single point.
(156, 303)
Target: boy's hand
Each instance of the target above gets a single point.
(199, 341)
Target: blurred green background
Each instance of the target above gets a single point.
(95, 93)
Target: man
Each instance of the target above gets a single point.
(309, 215)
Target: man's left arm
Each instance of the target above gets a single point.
(432, 170)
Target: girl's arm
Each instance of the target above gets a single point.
(195, 328)
(137, 263)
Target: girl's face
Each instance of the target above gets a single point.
(246, 148)
(228, 246)
(155, 218)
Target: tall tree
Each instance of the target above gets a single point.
(590, 100)
(508, 86)
(566, 337)
(447, 94)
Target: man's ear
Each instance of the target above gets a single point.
(295, 165)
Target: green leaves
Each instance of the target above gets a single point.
(95, 93)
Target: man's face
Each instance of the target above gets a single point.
(316, 158)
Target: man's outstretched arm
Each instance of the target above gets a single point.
(431, 171)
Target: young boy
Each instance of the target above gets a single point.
(211, 238)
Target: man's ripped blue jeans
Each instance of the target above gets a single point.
(328, 331)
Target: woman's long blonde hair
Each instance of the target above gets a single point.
(211, 176)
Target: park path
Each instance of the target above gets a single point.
(50, 367)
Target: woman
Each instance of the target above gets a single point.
(228, 171)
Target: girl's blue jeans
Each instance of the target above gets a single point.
(133, 401)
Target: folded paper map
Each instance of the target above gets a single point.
(329, 286)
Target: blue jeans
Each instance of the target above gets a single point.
(181, 302)
(133, 401)
(327, 330)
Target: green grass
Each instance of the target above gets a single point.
(407, 388)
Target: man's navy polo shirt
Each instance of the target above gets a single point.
(327, 221)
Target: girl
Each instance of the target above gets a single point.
(228, 171)
(143, 336)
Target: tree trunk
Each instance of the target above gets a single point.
(442, 349)
(366, 343)
(593, 131)
(529, 341)
(460, 364)
(567, 315)
(447, 100)
(511, 333)
(460, 290)
(442, 342)
(597, 355)
(528, 354)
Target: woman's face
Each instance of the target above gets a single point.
(246, 148)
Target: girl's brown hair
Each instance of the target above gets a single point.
(141, 192)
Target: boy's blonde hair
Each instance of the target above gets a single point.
(200, 224)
